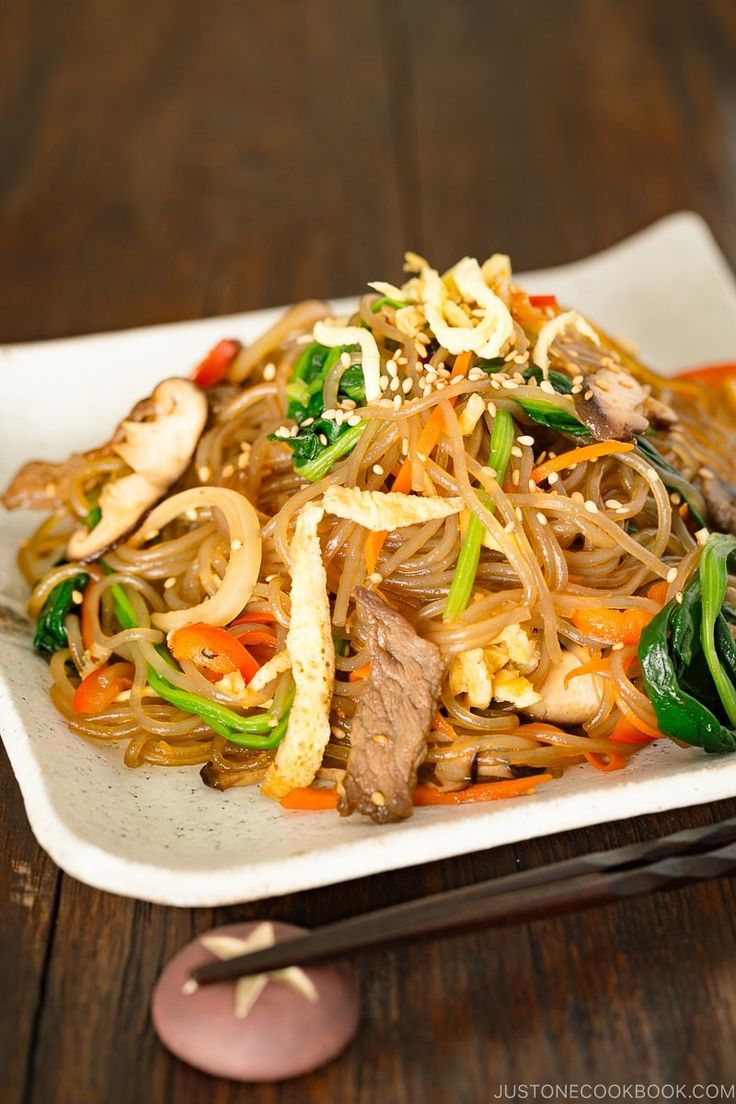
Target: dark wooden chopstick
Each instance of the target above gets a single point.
(598, 878)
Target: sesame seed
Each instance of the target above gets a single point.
(590, 506)
(383, 383)
(440, 384)
(509, 527)
(394, 384)
(345, 360)
(617, 647)
(269, 372)
(613, 504)
(228, 470)
(203, 474)
(339, 417)
(329, 415)
(377, 469)
(545, 385)
(576, 496)
(308, 422)
(525, 440)
(77, 597)
(577, 379)
(377, 798)
(519, 514)
(353, 420)
(243, 460)
(532, 487)
(491, 471)
(491, 408)
(190, 514)
(588, 395)
(678, 597)
(406, 386)
(701, 536)
(323, 440)
(515, 477)
(553, 478)
(671, 575)
(397, 403)
(294, 431)
(236, 545)
(509, 384)
(516, 451)
(375, 578)
(170, 582)
(391, 368)
(675, 499)
(541, 518)
(348, 404)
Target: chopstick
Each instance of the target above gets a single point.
(599, 878)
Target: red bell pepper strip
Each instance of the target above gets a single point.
(213, 369)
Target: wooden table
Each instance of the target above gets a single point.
(162, 161)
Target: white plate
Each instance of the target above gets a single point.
(160, 834)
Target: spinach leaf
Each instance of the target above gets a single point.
(673, 480)
(561, 383)
(50, 630)
(687, 656)
(552, 417)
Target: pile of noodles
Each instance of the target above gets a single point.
(564, 557)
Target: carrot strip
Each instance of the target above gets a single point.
(262, 616)
(360, 673)
(637, 722)
(712, 374)
(657, 592)
(606, 762)
(441, 724)
(259, 637)
(428, 438)
(612, 626)
(594, 667)
(484, 791)
(578, 456)
(627, 733)
(306, 798)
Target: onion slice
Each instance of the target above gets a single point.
(242, 570)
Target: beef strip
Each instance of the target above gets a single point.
(394, 714)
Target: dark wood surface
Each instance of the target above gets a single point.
(168, 160)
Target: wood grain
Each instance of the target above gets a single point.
(166, 160)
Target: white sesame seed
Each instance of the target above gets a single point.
(576, 388)
(391, 368)
(613, 504)
(308, 422)
(675, 499)
(339, 417)
(671, 575)
(545, 385)
(329, 415)
(236, 545)
(516, 451)
(678, 597)
(510, 385)
(509, 526)
(590, 506)
(269, 372)
(406, 386)
(203, 474)
(394, 384)
(576, 496)
(701, 536)
(491, 408)
(553, 478)
(345, 360)
(397, 403)
(541, 518)
(491, 471)
(243, 460)
(532, 487)
(525, 440)
(377, 469)
(323, 440)
(191, 514)
(375, 578)
(383, 383)
(617, 647)
(77, 597)
(170, 582)
(515, 477)
(348, 404)
(228, 470)
(518, 512)
(353, 420)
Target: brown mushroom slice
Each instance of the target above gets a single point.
(611, 405)
(720, 498)
(158, 451)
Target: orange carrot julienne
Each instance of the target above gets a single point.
(360, 673)
(579, 456)
(638, 723)
(596, 666)
(484, 791)
(259, 616)
(441, 724)
(657, 592)
(612, 626)
(308, 798)
(610, 762)
(627, 733)
(428, 438)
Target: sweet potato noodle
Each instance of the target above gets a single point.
(534, 589)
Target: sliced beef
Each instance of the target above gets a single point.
(394, 714)
(720, 498)
(42, 484)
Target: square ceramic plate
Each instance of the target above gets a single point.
(160, 834)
